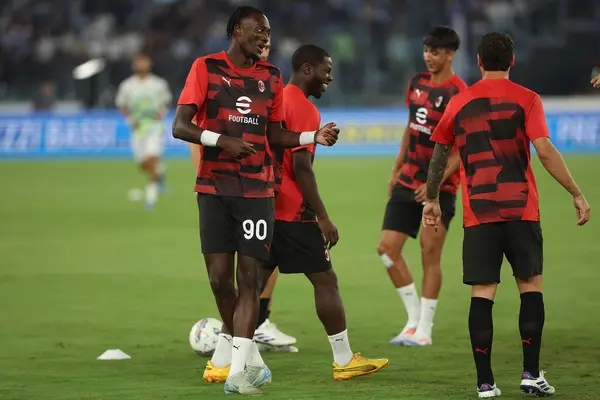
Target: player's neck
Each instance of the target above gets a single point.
(237, 57)
(143, 75)
(494, 75)
(443, 75)
(301, 85)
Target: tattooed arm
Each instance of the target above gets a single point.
(437, 167)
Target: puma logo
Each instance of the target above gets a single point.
(227, 80)
(236, 347)
(484, 352)
(528, 341)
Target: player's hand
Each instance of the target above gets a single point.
(235, 147)
(391, 185)
(330, 232)
(327, 135)
(582, 209)
(596, 82)
(420, 193)
(432, 214)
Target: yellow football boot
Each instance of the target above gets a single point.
(358, 366)
(213, 374)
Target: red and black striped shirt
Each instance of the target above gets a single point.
(426, 101)
(239, 103)
(492, 124)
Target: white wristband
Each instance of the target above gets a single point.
(209, 138)
(307, 138)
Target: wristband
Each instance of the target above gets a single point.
(209, 138)
(307, 138)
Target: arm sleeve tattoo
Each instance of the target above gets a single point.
(437, 166)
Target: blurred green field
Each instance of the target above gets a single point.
(82, 270)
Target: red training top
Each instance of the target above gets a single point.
(426, 101)
(492, 123)
(239, 103)
(299, 115)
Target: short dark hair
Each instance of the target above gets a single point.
(238, 15)
(442, 37)
(496, 51)
(308, 53)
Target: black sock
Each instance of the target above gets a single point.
(481, 330)
(531, 324)
(263, 311)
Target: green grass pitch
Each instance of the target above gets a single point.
(82, 270)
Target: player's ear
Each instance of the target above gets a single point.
(307, 68)
(479, 64)
(512, 62)
(451, 54)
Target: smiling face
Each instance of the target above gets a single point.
(266, 51)
(436, 59)
(320, 77)
(253, 35)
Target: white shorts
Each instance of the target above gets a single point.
(147, 144)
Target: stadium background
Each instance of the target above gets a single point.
(82, 269)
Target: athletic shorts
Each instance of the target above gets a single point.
(404, 214)
(485, 245)
(236, 224)
(147, 144)
(299, 248)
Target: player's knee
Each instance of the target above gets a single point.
(250, 283)
(221, 287)
(324, 280)
(385, 253)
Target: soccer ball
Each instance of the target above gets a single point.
(204, 336)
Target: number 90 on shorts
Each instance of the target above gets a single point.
(256, 229)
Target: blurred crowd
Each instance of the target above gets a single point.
(376, 44)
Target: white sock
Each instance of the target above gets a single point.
(255, 359)
(222, 355)
(342, 354)
(240, 352)
(152, 193)
(428, 307)
(410, 297)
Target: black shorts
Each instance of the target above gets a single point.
(236, 224)
(485, 245)
(299, 248)
(404, 214)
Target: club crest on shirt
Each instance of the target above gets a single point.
(439, 101)
(261, 86)
(327, 254)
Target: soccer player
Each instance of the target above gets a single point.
(143, 99)
(267, 335)
(236, 100)
(303, 232)
(492, 124)
(427, 96)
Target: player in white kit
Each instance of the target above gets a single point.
(143, 99)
